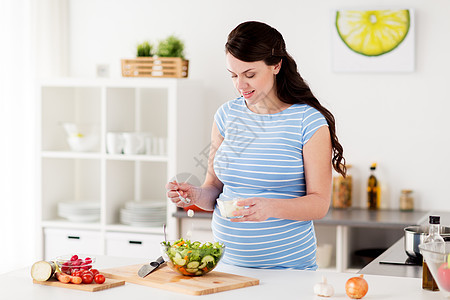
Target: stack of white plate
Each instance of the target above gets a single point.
(79, 211)
(144, 213)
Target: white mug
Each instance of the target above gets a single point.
(149, 145)
(133, 143)
(114, 143)
(155, 147)
(146, 137)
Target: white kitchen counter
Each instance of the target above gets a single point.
(292, 284)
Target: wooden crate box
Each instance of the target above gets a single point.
(155, 67)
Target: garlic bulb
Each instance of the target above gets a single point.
(323, 289)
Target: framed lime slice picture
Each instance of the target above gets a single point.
(373, 40)
(372, 32)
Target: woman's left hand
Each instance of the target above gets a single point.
(253, 209)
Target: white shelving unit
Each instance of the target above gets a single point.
(160, 106)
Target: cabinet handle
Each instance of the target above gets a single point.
(135, 242)
(73, 237)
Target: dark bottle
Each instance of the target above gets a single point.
(373, 189)
(428, 282)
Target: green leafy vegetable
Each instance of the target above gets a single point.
(193, 258)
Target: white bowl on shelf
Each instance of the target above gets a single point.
(83, 143)
(81, 137)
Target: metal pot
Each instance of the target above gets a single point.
(415, 235)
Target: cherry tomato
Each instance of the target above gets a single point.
(73, 270)
(77, 273)
(78, 262)
(87, 278)
(100, 278)
(94, 271)
(86, 267)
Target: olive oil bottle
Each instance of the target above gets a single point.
(373, 189)
(428, 282)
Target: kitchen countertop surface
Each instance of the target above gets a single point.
(274, 284)
(362, 217)
(396, 254)
(389, 263)
(355, 217)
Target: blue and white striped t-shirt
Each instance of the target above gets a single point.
(261, 156)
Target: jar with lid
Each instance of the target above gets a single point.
(342, 190)
(406, 200)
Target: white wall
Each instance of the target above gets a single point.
(396, 119)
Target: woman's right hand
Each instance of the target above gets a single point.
(182, 194)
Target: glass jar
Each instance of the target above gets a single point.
(406, 200)
(342, 190)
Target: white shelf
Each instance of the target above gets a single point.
(61, 223)
(155, 158)
(96, 155)
(159, 106)
(128, 228)
(71, 154)
(115, 82)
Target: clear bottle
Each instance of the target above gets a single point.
(428, 282)
(342, 190)
(373, 189)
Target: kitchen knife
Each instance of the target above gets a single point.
(147, 269)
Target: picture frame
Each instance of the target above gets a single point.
(373, 40)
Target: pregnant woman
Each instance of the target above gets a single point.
(273, 148)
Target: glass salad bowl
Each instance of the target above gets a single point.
(439, 264)
(192, 258)
(73, 263)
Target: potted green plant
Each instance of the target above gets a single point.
(144, 49)
(167, 61)
(171, 47)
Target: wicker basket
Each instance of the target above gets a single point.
(155, 67)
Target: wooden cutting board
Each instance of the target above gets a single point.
(167, 279)
(92, 287)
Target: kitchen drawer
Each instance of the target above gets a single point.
(71, 241)
(133, 244)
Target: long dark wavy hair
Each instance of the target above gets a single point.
(255, 41)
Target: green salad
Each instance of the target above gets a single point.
(192, 258)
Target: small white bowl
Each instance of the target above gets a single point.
(227, 207)
(82, 143)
